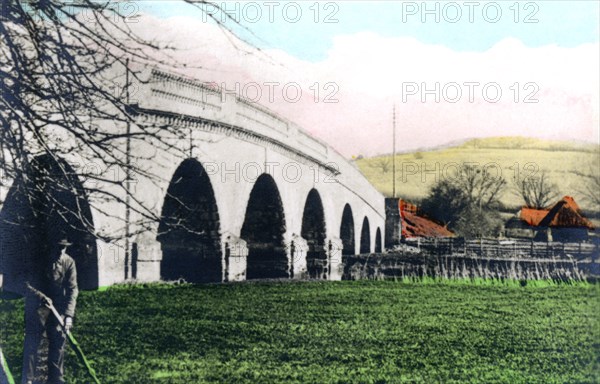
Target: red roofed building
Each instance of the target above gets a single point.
(566, 214)
(403, 220)
(532, 216)
(415, 225)
(563, 221)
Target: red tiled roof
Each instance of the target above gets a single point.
(417, 226)
(414, 225)
(405, 206)
(565, 213)
(533, 216)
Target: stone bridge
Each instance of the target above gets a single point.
(256, 197)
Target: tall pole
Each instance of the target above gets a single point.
(127, 175)
(394, 152)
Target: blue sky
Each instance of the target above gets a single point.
(561, 23)
(371, 51)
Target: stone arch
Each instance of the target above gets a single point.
(189, 227)
(314, 232)
(263, 231)
(347, 231)
(365, 237)
(378, 248)
(48, 204)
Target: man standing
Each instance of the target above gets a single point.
(57, 279)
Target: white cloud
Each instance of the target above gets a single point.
(370, 70)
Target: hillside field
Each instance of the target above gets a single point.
(331, 332)
(513, 156)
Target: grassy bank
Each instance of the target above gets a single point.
(362, 331)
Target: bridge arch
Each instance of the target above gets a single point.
(365, 237)
(314, 232)
(378, 248)
(49, 204)
(189, 227)
(347, 231)
(263, 230)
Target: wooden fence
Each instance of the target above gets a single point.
(508, 248)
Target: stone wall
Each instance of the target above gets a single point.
(410, 265)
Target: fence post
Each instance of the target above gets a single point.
(532, 254)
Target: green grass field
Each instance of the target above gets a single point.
(564, 161)
(323, 332)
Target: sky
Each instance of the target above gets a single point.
(453, 70)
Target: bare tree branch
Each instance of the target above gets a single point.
(536, 191)
(590, 188)
(59, 68)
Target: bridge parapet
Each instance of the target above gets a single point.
(165, 91)
(170, 93)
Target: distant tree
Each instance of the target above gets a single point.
(537, 191)
(445, 202)
(383, 163)
(466, 201)
(475, 223)
(590, 187)
(481, 186)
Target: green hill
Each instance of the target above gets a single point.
(514, 157)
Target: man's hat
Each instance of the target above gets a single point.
(64, 241)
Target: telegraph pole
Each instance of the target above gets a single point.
(394, 152)
(127, 175)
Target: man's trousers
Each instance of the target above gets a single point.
(38, 320)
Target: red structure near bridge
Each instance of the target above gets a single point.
(414, 224)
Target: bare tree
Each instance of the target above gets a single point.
(481, 187)
(590, 188)
(467, 202)
(383, 163)
(537, 191)
(65, 66)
